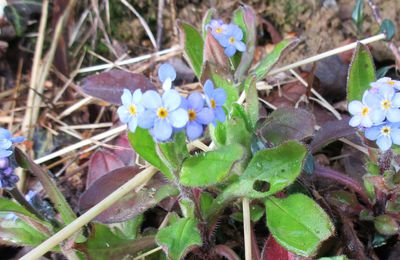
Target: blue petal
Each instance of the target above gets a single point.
(18, 139)
(162, 130)
(237, 33)
(377, 116)
(230, 50)
(372, 100)
(167, 85)
(366, 121)
(393, 115)
(396, 100)
(220, 96)
(178, 118)
(5, 153)
(123, 114)
(355, 121)
(372, 133)
(126, 97)
(166, 71)
(137, 96)
(133, 124)
(240, 46)
(220, 114)
(196, 101)
(209, 88)
(171, 99)
(205, 116)
(194, 130)
(146, 119)
(384, 142)
(223, 40)
(184, 103)
(395, 134)
(151, 99)
(5, 144)
(387, 92)
(4, 133)
(355, 107)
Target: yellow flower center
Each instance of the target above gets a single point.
(192, 114)
(365, 111)
(218, 30)
(386, 130)
(391, 82)
(232, 40)
(162, 113)
(386, 104)
(213, 103)
(132, 110)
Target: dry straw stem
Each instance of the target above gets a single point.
(246, 228)
(143, 176)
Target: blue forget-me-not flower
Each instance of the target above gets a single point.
(162, 113)
(232, 41)
(131, 108)
(361, 112)
(6, 141)
(215, 99)
(385, 135)
(166, 74)
(199, 115)
(386, 105)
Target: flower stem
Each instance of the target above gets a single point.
(17, 195)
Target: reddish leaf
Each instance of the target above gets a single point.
(214, 53)
(136, 202)
(101, 162)
(274, 251)
(124, 150)
(109, 85)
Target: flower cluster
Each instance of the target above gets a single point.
(229, 36)
(7, 177)
(168, 113)
(378, 113)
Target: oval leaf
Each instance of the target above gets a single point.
(177, 238)
(361, 73)
(130, 205)
(101, 162)
(298, 223)
(210, 167)
(193, 45)
(110, 85)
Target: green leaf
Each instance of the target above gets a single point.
(17, 232)
(245, 18)
(388, 28)
(55, 195)
(104, 243)
(381, 72)
(256, 213)
(269, 172)
(206, 20)
(266, 64)
(298, 223)
(193, 47)
(386, 225)
(340, 257)
(218, 133)
(210, 167)
(361, 73)
(221, 78)
(179, 237)
(252, 103)
(358, 14)
(143, 143)
(174, 152)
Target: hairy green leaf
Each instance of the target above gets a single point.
(361, 73)
(298, 223)
(193, 46)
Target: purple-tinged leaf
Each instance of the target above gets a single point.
(245, 18)
(124, 150)
(109, 85)
(136, 202)
(214, 53)
(288, 123)
(273, 250)
(226, 252)
(331, 131)
(101, 162)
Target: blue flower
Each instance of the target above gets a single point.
(215, 99)
(131, 108)
(361, 112)
(386, 81)
(162, 114)
(232, 40)
(166, 74)
(385, 135)
(8, 179)
(386, 104)
(199, 116)
(6, 141)
(218, 28)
